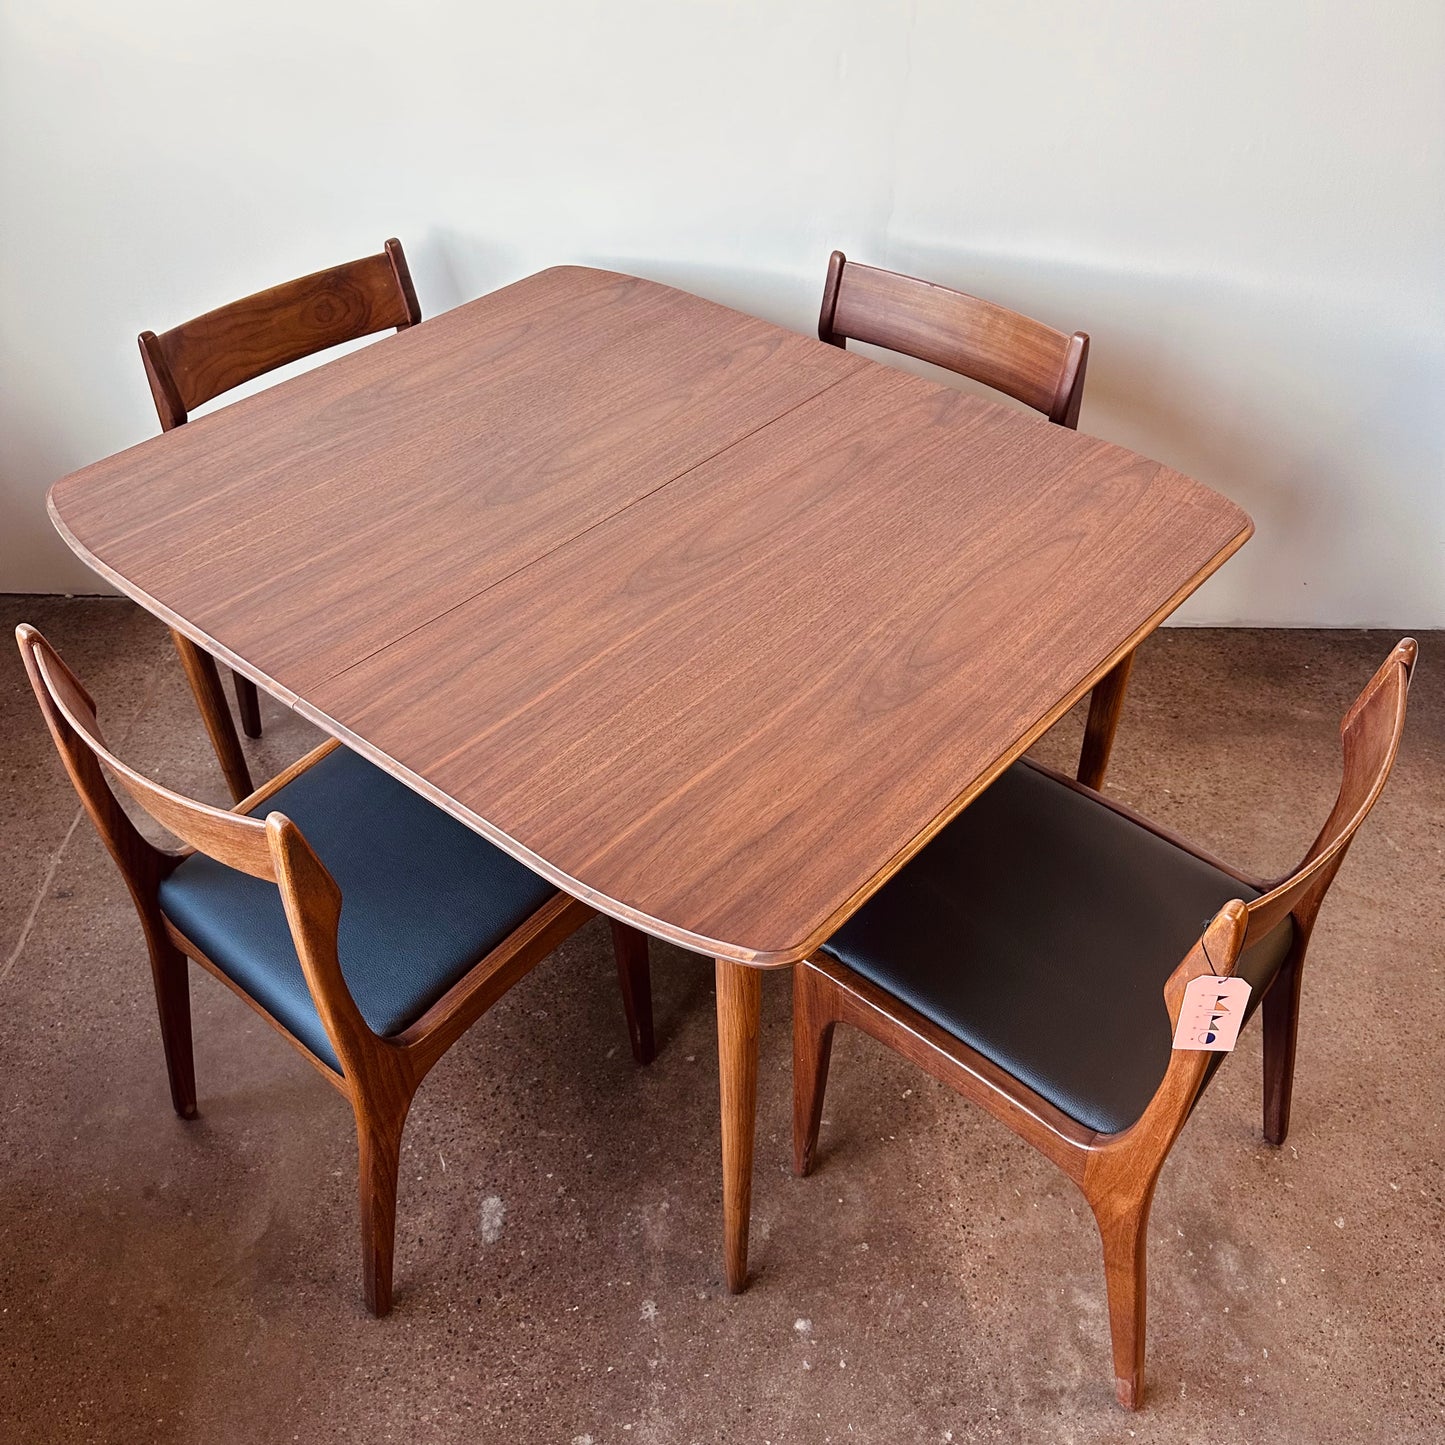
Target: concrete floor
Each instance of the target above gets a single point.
(558, 1248)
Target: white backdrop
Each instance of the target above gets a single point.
(1244, 203)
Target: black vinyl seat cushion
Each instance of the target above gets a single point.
(1039, 928)
(423, 898)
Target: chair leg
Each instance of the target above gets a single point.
(248, 704)
(1281, 1025)
(1124, 1230)
(378, 1136)
(634, 977)
(170, 974)
(205, 683)
(813, 1025)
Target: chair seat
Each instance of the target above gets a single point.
(423, 899)
(1039, 929)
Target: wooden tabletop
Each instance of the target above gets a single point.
(709, 623)
(309, 526)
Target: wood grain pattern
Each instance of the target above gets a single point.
(300, 530)
(651, 592)
(818, 634)
(1012, 353)
(1117, 1173)
(656, 596)
(739, 1004)
(1003, 348)
(196, 361)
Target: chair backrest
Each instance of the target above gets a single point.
(1014, 354)
(1370, 734)
(69, 712)
(198, 360)
(272, 849)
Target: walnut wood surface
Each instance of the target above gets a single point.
(1004, 349)
(656, 596)
(652, 593)
(297, 531)
(196, 361)
(818, 634)
(1105, 706)
(739, 1005)
(1010, 352)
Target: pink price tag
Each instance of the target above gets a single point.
(1212, 1013)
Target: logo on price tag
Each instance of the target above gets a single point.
(1212, 1013)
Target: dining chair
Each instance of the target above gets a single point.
(197, 361)
(1026, 958)
(1023, 358)
(366, 926)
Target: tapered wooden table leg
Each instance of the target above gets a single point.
(1105, 707)
(205, 681)
(739, 1002)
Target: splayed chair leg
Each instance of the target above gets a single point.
(170, 974)
(634, 977)
(1124, 1230)
(813, 1025)
(378, 1156)
(1281, 1027)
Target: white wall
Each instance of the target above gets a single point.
(1244, 203)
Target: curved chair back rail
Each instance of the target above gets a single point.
(988, 343)
(1370, 738)
(1117, 1172)
(200, 359)
(272, 849)
(434, 997)
(69, 711)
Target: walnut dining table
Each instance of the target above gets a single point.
(710, 624)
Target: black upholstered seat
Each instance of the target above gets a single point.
(1039, 928)
(423, 898)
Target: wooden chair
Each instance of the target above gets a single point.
(195, 362)
(1036, 365)
(436, 926)
(1020, 958)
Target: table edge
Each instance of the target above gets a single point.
(659, 928)
(790, 954)
(777, 957)
(158, 609)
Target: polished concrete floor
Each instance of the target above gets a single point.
(558, 1246)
